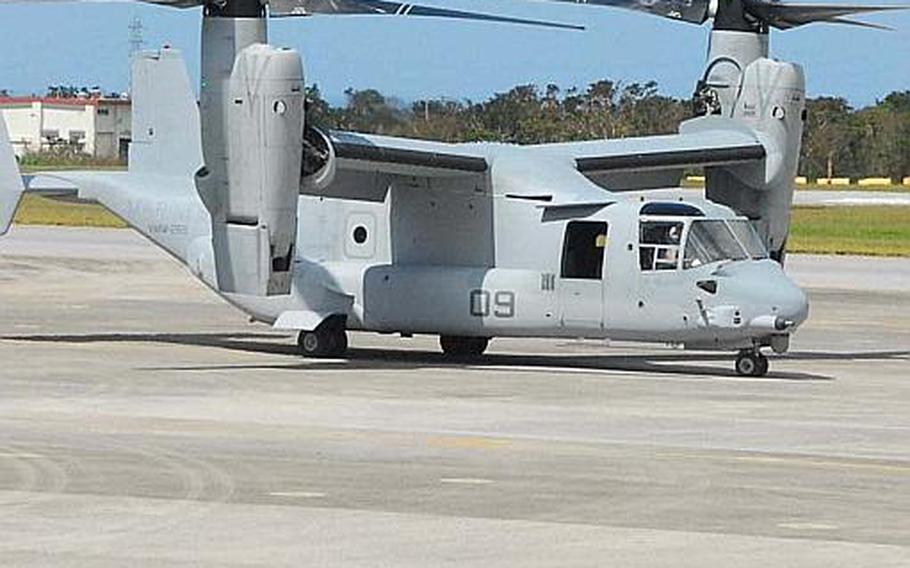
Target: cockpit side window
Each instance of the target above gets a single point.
(711, 241)
(658, 245)
(583, 250)
(749, 238)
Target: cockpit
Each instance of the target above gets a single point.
(678, 235)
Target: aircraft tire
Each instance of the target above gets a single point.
(763, 366)
(751, 364)
(312, 343)
(341, 343)
(325, 341)
(463, 346)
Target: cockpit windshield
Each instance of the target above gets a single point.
(711, 241)
(748, 237)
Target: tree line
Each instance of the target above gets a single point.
(839, 140)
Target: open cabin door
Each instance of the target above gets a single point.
(581, 281)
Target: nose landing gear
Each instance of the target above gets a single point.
(751, 363)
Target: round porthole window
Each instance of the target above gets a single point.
(360, 235)
(280, 107)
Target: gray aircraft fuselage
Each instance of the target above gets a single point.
(469, 262)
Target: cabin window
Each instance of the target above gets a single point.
(658, 245)
(583, 250)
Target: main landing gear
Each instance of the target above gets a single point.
(751, 363)
(463, 346)
(327, 340)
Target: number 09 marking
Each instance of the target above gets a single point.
(500, 304)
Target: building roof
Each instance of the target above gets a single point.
(61, 101)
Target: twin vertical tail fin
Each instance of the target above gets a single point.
(11, 187)
(166, 133)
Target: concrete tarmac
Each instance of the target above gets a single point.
(145, 423)
(848, 198)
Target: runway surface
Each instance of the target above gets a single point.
(145, 423)
(847, 198)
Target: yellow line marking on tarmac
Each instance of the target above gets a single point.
(466, 480)
(824, 463)
(21, 455)
(808, 526)
(467, 442)
(301, 494)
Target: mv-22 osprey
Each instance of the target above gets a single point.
(323, 232)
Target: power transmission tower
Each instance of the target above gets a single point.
(136, 40)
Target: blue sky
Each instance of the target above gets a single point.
(88, 44)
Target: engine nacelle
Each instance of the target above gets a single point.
(319, 163)
(767, 97)
(254, 205)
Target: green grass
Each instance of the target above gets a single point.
(30, 169)
(895, 188)
(38, 210)
(65, 159)
(865, 230)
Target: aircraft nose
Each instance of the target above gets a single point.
(776, 301)
(793, 304)
(788, 302)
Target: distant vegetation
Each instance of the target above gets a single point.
(839, 141)
(64, 156)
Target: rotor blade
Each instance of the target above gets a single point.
(692, 11)
(787, 16)
(770, 12)
(291, 8)
(859, 24)
(171, 3)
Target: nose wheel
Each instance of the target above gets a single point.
(751, 363)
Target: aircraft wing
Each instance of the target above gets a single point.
(713, 142)
(366, 165)
(407, 157)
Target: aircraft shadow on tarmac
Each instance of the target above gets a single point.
(671, 363)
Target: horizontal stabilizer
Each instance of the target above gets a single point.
(11, 187)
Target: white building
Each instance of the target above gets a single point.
(92, 125)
